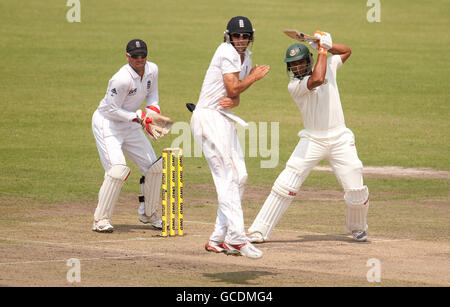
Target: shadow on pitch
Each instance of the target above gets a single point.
(320, 237)
(133, 227)
(240, 277)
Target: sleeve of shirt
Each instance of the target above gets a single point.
(298, 88)
(335, 62)
(152, 99)
(230, 61)
(117, 92)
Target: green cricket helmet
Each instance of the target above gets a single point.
(298, 52)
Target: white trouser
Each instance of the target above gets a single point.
(340, 151)
(218, 138)
(112, 147)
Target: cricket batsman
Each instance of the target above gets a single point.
(325, 136)
(230, 73)
(118, 125)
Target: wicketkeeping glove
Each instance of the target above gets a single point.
(155, 124)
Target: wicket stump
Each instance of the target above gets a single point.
(172, 186)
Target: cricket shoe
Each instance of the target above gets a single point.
(359, 235)
(245, 249)
(214, 247)
(256, 237)
(154, 220)
(102, 226)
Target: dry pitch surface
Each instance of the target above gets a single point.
(36, 242)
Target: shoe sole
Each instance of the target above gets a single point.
(153, 226)
(237, 253)
(103, 231)
(257, 241)
(213, 250)
(363, 239)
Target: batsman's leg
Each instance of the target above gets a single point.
(305, 156)
(283, 192)
(349, 172)
(357, 201)
(107, 198)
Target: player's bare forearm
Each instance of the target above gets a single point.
(235, 87)
(257, 73)
(319, 72)
(342, 50)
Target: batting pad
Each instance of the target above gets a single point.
(110, 190)
(283, 192)
(151, 188)
(357, 201)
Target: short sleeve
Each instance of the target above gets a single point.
(335, 62)
(230, 61)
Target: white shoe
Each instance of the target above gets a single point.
(359, 235)
(256, 237)
(215, 247)
(102, 226)
(154, 220)
(244, 249)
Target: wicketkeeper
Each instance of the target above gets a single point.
(117, 126)
(325, 136)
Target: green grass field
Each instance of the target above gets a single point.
(394, 90)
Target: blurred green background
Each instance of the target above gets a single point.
(394, 88)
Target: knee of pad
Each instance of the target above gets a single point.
(119, 172)
(287, 184)
(355, 197)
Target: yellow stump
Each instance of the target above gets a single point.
(164, 194)
(180, 192)
(172, 190)
(172, 195)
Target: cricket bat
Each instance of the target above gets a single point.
(300, 36)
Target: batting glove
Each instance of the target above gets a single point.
(326, 41)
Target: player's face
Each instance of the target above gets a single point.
(137, 61)
(299, 68)
(240, 40)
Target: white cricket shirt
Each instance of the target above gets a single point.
(321, 107)
(125, 94)
(225, 60)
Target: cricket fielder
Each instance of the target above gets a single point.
(117, 126)
(325, 136)
(230, 73)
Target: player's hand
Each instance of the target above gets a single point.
(325, 39)
(259, 71)
(164, 123)
(155, 125)
(228, 103)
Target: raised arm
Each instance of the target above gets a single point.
(342, 50)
